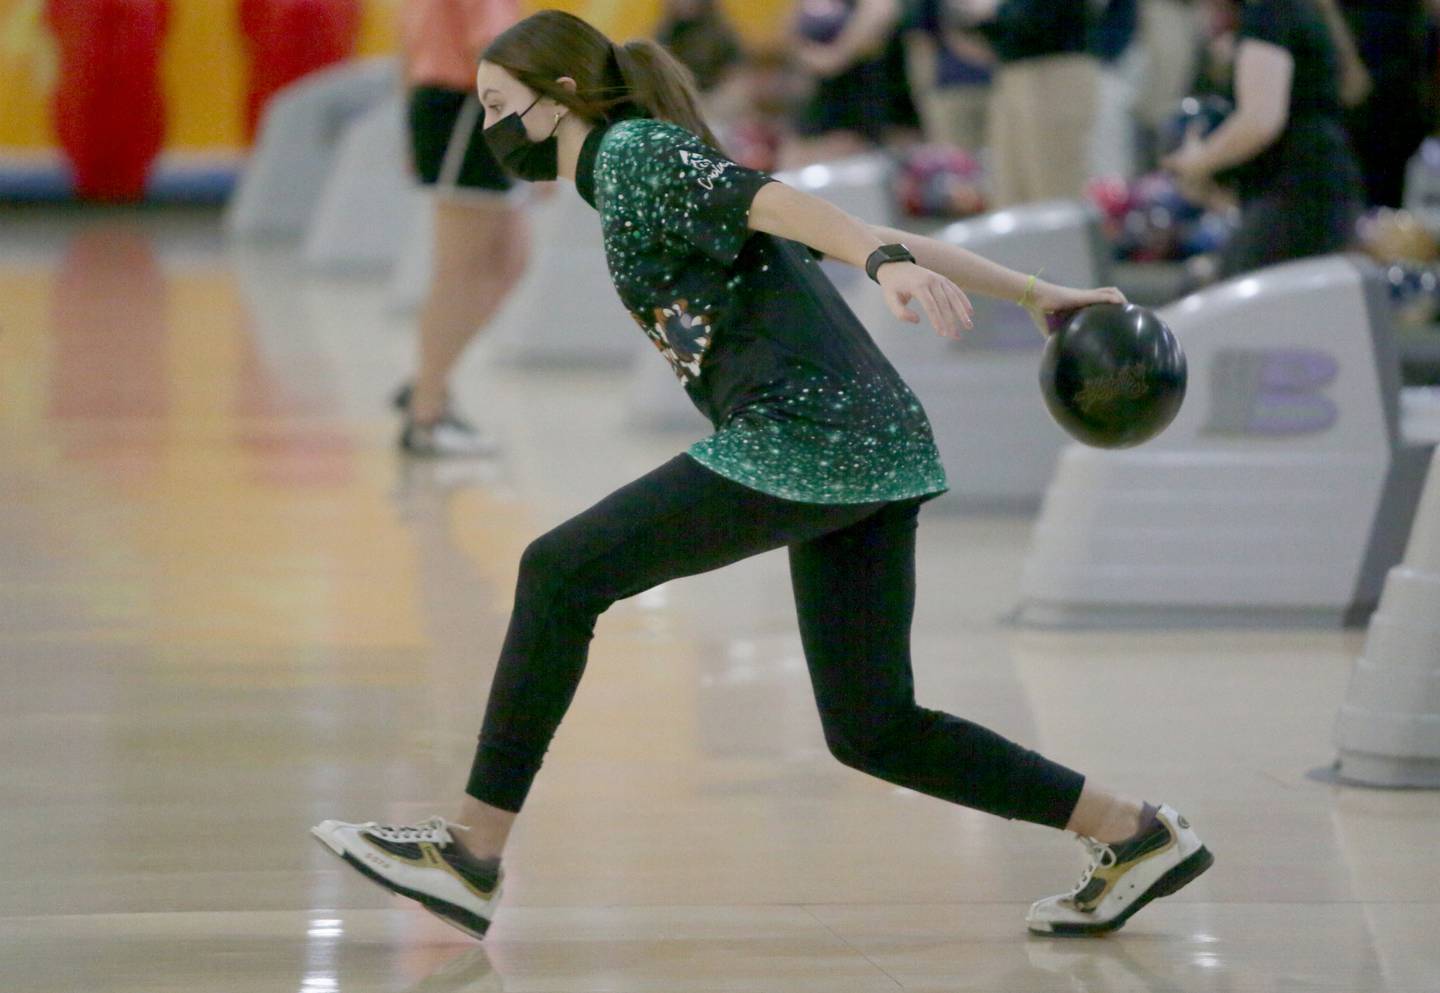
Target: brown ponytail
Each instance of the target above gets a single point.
(637, 79)
(663, 86)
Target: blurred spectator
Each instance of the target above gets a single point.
(1285, 146)
(1043, 99)
(1171, 34)
(698, 34)
(1115, 28)
(1115, 42)
(950, 72)
(1389, 121)
(481, 243)
(755, 108)
(853, 50)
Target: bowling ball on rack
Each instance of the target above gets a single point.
(1112, 375)
(1205, 235)
(1203, 114)
(1414, 294)
(1151, 220)
(1396, 236)
(940, 181)
(1110, 195)
(1148, 235)
(1160, 191)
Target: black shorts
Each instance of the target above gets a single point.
(447, 143)
(869, 98)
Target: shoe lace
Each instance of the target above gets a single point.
(1100, 854)
(435, 829)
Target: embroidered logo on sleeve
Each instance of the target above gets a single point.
(709, 170)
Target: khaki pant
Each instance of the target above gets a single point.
(955, 115)
(1171, 32)
(951, 115)
(1042, 117)
(1113, 146)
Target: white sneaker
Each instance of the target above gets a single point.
(449, 437)
(453, 436)
(422, 862)
(1123, 878)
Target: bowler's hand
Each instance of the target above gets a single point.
(1050, 306)
(947, 307)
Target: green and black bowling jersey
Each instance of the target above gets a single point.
(805, 407)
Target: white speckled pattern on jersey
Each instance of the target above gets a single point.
(805, 406)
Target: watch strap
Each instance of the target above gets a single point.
(884, 254)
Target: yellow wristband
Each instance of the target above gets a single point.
(1029, 288)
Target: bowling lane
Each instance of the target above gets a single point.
(228, 610)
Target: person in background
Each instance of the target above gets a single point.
(950, 72)
(701, 37)
(1171, 33)
(1284, 147)
(755, 110)
(1115, 42)
(853, 49)
(1043, 100)
(698, 34)
(1388, 119)
(481, 243)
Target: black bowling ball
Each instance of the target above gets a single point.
(1113, 376)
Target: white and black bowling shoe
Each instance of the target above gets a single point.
(422, 862)
(1124, 877)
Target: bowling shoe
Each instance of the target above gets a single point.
(424, 863)
(1122, 878)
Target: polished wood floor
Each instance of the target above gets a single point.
(228, 610)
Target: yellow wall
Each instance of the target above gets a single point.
(25, 65)
(204, 67)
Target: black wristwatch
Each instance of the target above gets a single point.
(883, 254)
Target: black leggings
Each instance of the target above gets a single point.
(853, 572)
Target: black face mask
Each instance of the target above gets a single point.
(532, 161)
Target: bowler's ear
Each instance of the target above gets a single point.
(568, 83)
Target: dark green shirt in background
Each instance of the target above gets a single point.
(1030, 29)
(1313, 150)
